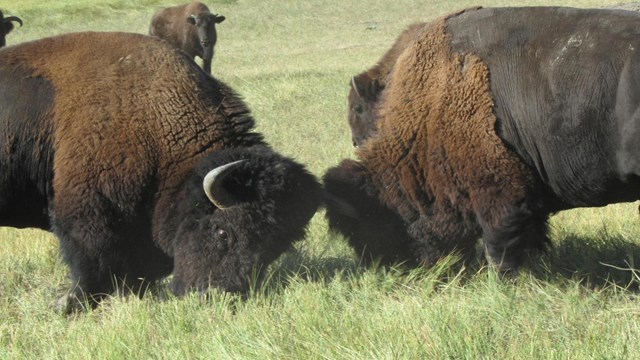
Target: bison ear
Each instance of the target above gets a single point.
(376, 87)
(366, 87)
(191, 19)
(218, 18)
(372, 90)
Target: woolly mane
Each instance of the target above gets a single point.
(437, 148)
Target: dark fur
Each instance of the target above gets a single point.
(355, 212)
(6, 25)
(492, 119)
(190, 27)
(365, 88)
(109, 152)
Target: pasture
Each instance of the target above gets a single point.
(291, 61)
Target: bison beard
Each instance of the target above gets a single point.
(112, 155)
(485, 127)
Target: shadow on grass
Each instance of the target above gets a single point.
(297, 265)
(600, 261)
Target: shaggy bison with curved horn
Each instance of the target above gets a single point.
(6, 25)
(143, 166)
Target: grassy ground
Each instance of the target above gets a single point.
(291, 61)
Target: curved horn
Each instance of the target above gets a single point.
(13, 18)
(212, 185)
(353, 85)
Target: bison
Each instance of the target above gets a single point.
(491, 120)
(190, 27)
(6, 25)
(365, 88)
(143, 166)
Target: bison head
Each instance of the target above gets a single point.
(6, 26)
(205, 24)
(358, 209)
(363, 95)
(354, 210)
(254, 205)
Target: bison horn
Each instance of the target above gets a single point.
(13, 18)
(355, 87)
(212, 185)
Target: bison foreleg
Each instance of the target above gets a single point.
(206, 65)
(107, 258)
(508, 238)
(440, 235)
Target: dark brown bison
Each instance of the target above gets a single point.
(142, 165)
(365, 88)
(190, 27)
(6, 25)
(492, 119)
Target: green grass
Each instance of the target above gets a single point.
(291, 61)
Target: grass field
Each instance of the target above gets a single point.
(291, 62)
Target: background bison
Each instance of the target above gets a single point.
(491, 120)
(111, 153)
(190, 27)
(6, 25)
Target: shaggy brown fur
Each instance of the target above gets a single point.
(436, 160)
(437, 132)
(136, 125)
(109, 152)
(487, 126)
(437, 153)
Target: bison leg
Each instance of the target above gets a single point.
(89, 271)
(107, 254)
(442, 234)
(508, 238)
(206, 65)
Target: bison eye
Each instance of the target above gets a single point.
(222, 234)
(358, 109)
